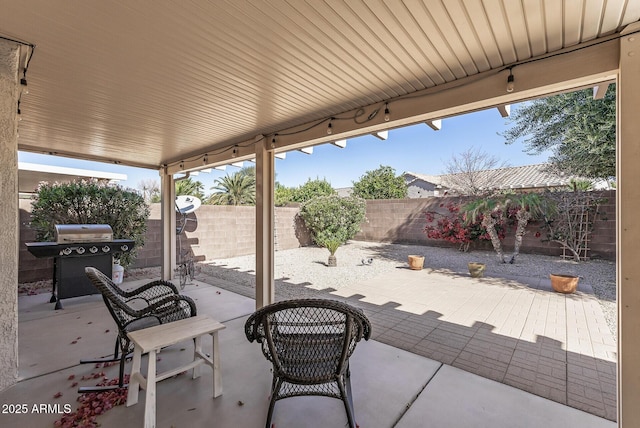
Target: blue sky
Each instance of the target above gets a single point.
(415, 148)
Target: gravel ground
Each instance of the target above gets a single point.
(302, 272)
(307, 266)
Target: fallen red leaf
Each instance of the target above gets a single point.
(94, 404)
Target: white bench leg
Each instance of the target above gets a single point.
(217, 376)
(150, 399)
(196, 354)
(134, 380)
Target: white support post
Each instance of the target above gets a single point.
(265, 228)
(168, 220)
(9, 213)
(628, 228)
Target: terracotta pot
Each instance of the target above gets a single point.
(564, 283)
(476, 269)
(416, 262)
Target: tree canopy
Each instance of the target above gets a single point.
(282, 195)
(580, 131)
(381, 183)
(91, 202)
(311, 189)
(473, 172)
(238, 188)
(151, 189)
(190, 187)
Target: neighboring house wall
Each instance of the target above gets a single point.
(518, 179)
(422, 189)
(226, 231)
(344, 191)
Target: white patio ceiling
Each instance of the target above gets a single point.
(147, 83)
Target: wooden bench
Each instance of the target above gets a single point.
(151, 340)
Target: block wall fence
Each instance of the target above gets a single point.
(227, 231)
(403, 221)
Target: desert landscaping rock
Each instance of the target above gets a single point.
(302, 272)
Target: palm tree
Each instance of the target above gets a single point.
(529, 206)
(492, 211)
(189, 187)
(235, 189)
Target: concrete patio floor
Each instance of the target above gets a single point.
(392, 387)
(517, 331)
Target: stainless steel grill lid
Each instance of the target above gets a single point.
(77, 233)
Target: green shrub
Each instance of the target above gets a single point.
(312, 189)
(381, 183)
(333, 220)
(282, 195)
(90, 202)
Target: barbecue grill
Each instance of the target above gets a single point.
(78, 246)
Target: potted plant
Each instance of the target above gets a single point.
(564, 283)
(476, 269)
(416, 262)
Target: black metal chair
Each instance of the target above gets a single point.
(309, 342)
(155, 303)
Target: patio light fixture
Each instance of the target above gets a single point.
(510, 83)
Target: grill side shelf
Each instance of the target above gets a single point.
(54, 249)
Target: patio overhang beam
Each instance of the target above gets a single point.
(505, 110)
(582, 66)
(565, 71)
(215, 158)
(599, 91)
(436, 124)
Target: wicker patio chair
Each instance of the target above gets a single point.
(309, 342)
(155, 303)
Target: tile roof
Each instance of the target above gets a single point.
(527, 176)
